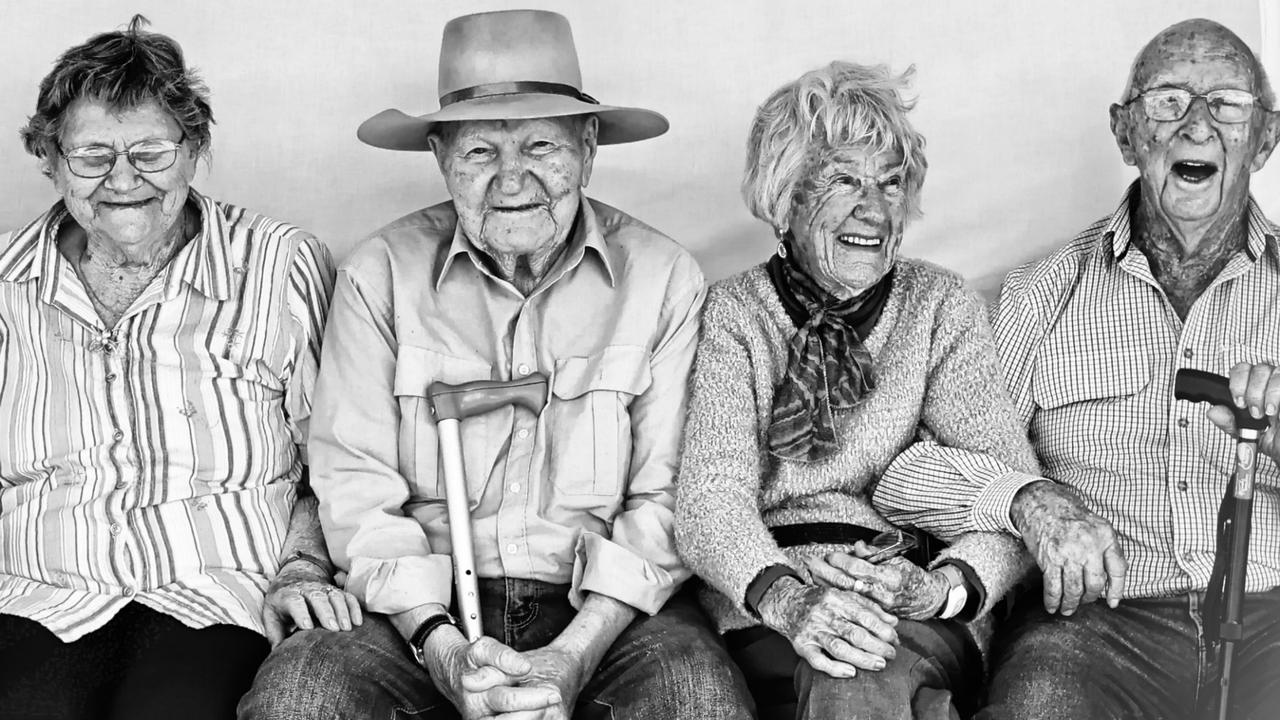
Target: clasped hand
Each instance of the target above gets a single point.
(487, 679)
(898, 585)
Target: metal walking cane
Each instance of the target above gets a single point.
(450, 404)
(1224, 601)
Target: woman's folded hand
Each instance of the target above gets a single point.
(835, 631)
(898, 585)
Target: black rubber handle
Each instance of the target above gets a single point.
(1201, 386)
(480, 396)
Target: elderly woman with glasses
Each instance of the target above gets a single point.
(831, 382)
(159, 349)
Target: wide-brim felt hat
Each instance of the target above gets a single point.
(509, 65)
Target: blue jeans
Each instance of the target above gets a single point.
(671, 665)
(1144, 659)
(936, 675)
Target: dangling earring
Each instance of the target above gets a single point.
(782, 243)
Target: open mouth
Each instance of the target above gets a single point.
(1194, 171)
(518, 208)
(866, 241)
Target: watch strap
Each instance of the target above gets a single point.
(299, 555)
(424, 630)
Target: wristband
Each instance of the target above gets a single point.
(425, 628)
(761, 584)
(298, 555)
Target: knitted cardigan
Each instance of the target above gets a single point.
(936, 375)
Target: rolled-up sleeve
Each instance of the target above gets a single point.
(638, 564)
(355, 455)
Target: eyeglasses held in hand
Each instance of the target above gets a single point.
(1168, 104)
(146, 156)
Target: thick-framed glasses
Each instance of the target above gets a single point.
(1168, 104)
(146, 156)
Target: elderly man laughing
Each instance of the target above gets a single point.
(571, 505)
(1184, 274)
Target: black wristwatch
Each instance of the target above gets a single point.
(425, 628)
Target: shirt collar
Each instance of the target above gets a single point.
(1118, 230)
(586, 235)
(203, 264)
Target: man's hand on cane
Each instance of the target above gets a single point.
(1255, 388)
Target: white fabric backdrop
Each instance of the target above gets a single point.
(1013, 102)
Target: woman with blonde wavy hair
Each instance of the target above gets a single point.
(828, 381)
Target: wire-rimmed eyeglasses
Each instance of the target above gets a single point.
(146, 156)
(1168, 104)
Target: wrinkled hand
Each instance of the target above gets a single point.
(300, 592)
(1257, 389)
(1077, 550)
(897, 584)
(550, 669)
(835, 631)
(482, 679)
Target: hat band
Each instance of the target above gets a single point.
(519, 87)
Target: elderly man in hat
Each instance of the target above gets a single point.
(1185, 273)
(571, 502)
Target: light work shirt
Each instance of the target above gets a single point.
(581, 492)
(155, 461)
(1090, 346)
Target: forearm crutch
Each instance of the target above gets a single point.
(450, 404)
(1224, 601)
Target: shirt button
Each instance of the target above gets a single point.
(200, 505)
(127, 592)
(1182, 486)
(522, 369)
(1182, 422)
(1187, 353)
(515, 487)
(512, 548)
(122, 484)
(111, 377)
(115, 528)
(118, 435)
(522, 433)
(1187, 556)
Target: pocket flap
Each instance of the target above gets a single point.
(417, 367)
(620, 368)
(1065, 378)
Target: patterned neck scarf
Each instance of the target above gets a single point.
(828, 367)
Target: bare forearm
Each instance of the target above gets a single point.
(594, 630)
(304, 533)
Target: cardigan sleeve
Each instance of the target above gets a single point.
(719, 530)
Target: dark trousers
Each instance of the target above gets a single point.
(1145, 659)
(936, 675)
(140, 665)
(671, 666)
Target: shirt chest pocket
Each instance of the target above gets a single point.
(416, 369)
(1065, 379)
(590, 422)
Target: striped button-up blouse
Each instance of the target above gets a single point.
(155, 460)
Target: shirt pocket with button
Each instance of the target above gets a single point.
(590, 425)
(416, 369)
(1092, 410)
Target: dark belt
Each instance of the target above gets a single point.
(833, 533)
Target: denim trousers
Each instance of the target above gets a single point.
(1146, 659)
(936, 675)
(671, 665)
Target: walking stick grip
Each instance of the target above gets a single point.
(1201, 386)
(457, 402)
